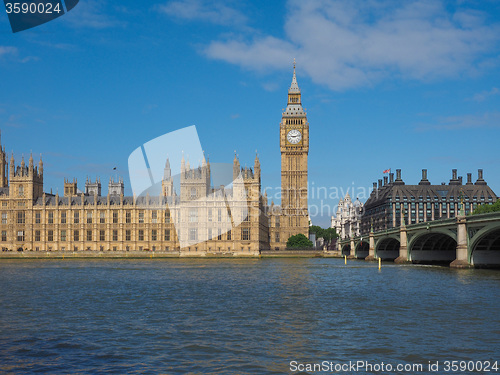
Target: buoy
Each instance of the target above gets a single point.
(379, 263)
(345, 259)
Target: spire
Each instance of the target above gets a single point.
(31, 161)
(256, 161)
(183, 163)
(236, 166)
(167, 173)
(294, 104)
(294, 87)
(40, 165)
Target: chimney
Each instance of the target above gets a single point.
(398, 181)
(469, 179)
(391, 178)
(386, 180)
(480, 180)
(460, 180)
(454, 178)
(424, 180)
(374, 186)
(379, 184)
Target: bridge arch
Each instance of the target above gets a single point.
(362, 249)
(387, 248)
(484, 246)
(433, 247)
(346, 249)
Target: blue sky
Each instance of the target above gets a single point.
(386, 84)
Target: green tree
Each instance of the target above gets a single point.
(485, 208)
(327, 234)
(298, 241)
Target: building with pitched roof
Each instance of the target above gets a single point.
(392, 201)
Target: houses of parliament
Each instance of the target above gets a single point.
(198, 220)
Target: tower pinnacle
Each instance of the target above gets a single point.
(294, 87)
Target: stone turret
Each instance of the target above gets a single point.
(116, 188)
(93, 188)
(70, 187)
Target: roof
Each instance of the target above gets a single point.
(294, 87)
(441, 192)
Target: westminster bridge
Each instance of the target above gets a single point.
(463, 241)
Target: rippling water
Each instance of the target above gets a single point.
(250, 316)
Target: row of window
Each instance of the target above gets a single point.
(88, 235)
(444, 209)
(21, 217)
(193, 235)
(193, 217)
(443, 196)
(294, 121)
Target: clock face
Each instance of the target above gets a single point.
(294, 136)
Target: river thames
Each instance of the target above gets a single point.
(241, 316)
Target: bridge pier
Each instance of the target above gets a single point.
(462, 260)
(352, 255)
(371, 249)
(403, 246)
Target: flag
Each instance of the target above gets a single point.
(387, 170)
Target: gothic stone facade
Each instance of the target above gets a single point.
(34, 220)
(198, 220)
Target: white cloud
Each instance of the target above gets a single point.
(7, 51)
(274, 53)
(200, 10)
(345, 44)
(482, 96)
(485, 120)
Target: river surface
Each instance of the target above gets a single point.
(241, 316)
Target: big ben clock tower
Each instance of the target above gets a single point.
(294, 145)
